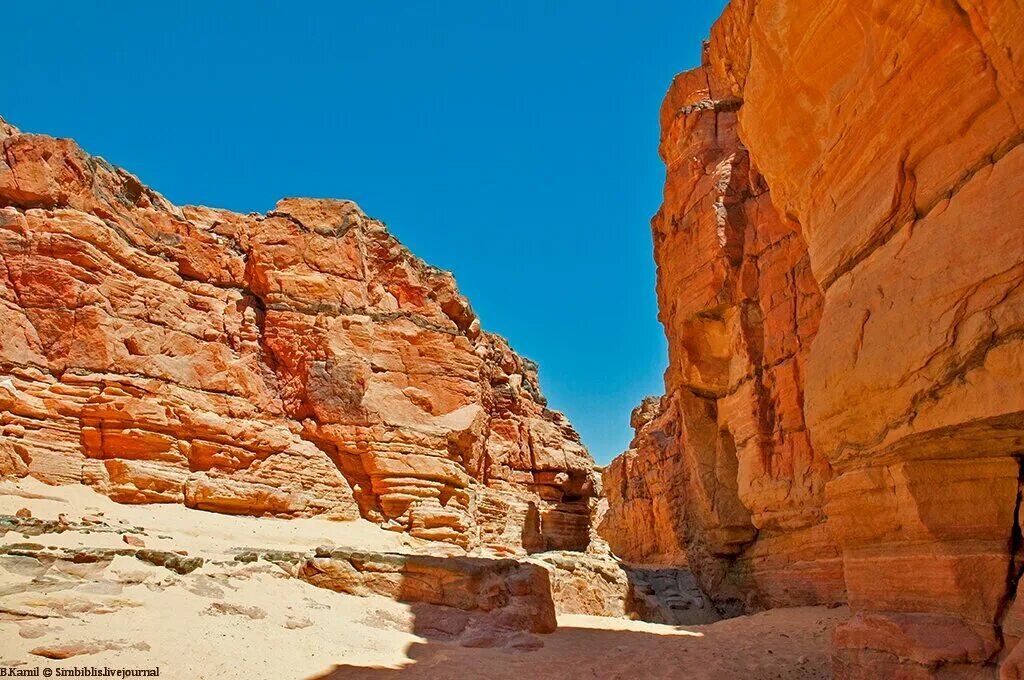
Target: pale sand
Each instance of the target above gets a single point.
(199, 532)
(778, 644)
(228, 620)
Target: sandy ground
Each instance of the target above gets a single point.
(782, 643)
(228, 620)
(171, 526)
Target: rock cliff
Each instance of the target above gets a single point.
(840, 260)
(840, 257)
(292, 364)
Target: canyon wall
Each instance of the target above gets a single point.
(840, 264)
(722, 467)
(292, 364)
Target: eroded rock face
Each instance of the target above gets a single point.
(291, 364)
(721, 473)
(840, 257)
(473, 593)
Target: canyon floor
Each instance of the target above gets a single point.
(231, 619)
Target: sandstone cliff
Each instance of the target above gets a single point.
(840, 264)
(292, 364)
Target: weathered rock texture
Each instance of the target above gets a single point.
(477, 601)
(840, 264)
(599, 585)
(297, 363)
(722, 473)
(476, 596)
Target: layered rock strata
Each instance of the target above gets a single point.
(292, 364)
(476, 601)
(721, 474)
(599, 585)
(480, 601)
(840, 257)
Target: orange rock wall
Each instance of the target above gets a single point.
(297, 363)
(722, 468)
(840, 264)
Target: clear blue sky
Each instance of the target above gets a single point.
(513, 143)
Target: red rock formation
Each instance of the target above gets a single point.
(297, 363)
(721, 473)
(840, 258)
(645, 517)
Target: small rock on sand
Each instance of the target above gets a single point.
(78, 648)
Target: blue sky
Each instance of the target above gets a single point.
(514, 144)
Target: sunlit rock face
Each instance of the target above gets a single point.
(840, 263)
(297, 363)
(721, 473)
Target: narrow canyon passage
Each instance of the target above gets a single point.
(224, 431)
